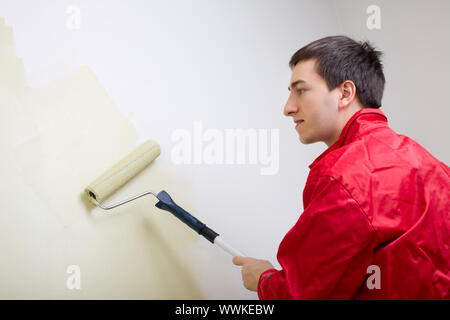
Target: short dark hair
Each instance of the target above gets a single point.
(339, 58)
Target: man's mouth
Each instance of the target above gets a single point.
(298, 122)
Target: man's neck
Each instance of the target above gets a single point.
(346, 115)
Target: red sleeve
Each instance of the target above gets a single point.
(326, 254)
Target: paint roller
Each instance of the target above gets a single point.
(117, 176)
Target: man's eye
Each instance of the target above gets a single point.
(300, 91)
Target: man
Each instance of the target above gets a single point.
(376, 214)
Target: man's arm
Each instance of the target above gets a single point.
(326, 254)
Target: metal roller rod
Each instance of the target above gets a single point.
(166, 203)
(122, 202)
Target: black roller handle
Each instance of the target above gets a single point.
(166, 203)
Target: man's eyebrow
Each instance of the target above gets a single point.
(293, 84)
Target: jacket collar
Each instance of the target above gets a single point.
(358, 124)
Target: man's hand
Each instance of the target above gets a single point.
(251, 270)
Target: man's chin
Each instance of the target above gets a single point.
(304, 140)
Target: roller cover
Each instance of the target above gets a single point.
(123, 171)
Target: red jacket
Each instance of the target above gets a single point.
(373, 198)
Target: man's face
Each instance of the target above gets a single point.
(311, 101)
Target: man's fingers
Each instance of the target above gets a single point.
(240, 261)
(237, 260)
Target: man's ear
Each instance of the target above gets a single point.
(347, 93)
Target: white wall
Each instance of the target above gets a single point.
(163, 65)
(153, 68)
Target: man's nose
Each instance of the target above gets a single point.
(289, 108)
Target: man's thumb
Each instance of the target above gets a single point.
(238, 260)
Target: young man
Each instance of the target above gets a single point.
(376, 214)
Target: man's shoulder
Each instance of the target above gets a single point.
(392, 180)
(384, 150)
(380, 164)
